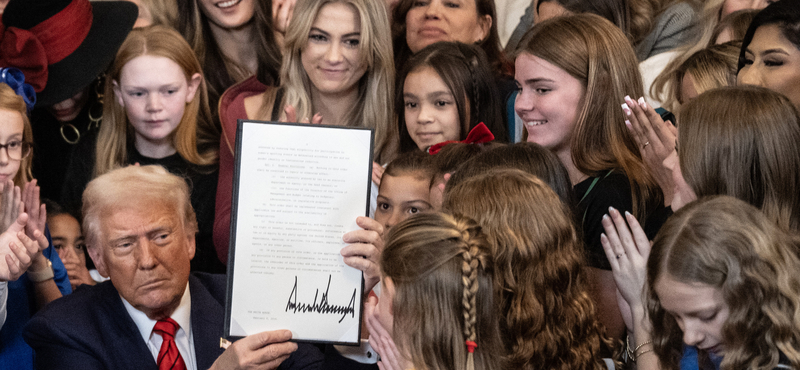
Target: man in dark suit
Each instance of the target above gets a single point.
(152, 314)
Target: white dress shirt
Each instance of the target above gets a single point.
(183, 338)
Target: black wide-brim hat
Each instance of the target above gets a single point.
(111, 23)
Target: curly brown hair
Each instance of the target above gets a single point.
(548, 320)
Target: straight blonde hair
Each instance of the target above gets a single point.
(9, 100)
(375, 89)
(196, 130)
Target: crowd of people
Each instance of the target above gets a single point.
(605, 184)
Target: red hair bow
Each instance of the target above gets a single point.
(21, 49)
(478, 135)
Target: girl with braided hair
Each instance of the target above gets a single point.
(446, 89)
(437, 299)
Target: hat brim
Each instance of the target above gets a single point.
(112, 21)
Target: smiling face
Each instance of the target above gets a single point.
(401, 197)
(332, 58)
(11, 128)
(548, 103)
(227, 14)
(431, 113)
(773, 62)
(145, 250)
(154, 92)
(429, 21)
(698, 309)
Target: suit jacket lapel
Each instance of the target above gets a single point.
(207, 323)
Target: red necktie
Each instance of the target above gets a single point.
(168, 356)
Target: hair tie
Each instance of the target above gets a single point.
(471, 346)
(15, 79)
(478, 135)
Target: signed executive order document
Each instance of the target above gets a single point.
(297, 190)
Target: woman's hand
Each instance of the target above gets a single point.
(291, 116)
(282, 11)
(656, 140)
(377, 173)
(627, 250)
(380, 340)
(364, 250)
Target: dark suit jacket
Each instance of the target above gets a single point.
(90, 329)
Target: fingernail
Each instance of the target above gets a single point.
(628, 123)
(605, 217)
(643, 103)
(628, 99)
(612, 209)
(628, 214)
(626, 109)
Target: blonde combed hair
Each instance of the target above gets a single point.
(376, 88)
(728, 244)
(595, 52)
(547, 318)
(9, 100)
(441, 268)
(195, 130)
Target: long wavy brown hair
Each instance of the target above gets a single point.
(726, 243)
(547, 318)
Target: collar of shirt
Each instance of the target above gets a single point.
(183, 338)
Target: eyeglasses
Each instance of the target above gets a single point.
(16, 149)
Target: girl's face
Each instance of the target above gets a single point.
(67, 237)
(730, 6)
(548, 102)
(154, 92)
(227, 14)
(401, 197)
(429, 21)
(430, 109)
(698, 309)
(331, 58)
(11, 126)
(773, 62)
(682, 193)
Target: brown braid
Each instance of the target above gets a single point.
(469, 274)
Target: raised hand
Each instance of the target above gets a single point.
(364, 250)
(17, 250)
(282, 11)
(656, 140)
(37, 214)
(10, 205)
(380, 339)
(291, 116)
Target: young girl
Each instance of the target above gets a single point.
(156, 112)
(404, 189)
(572, 72)
(547, 319)
(65, 231)
(445, 90)
(437, 299)
(46, 278)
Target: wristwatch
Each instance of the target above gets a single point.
(40, 276)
